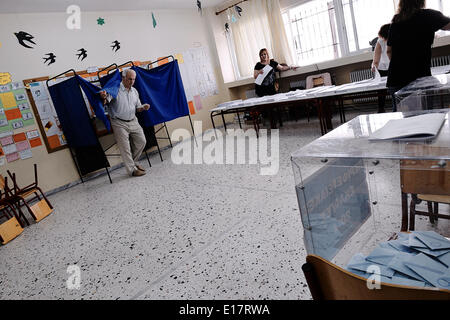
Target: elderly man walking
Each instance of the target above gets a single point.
(129, 135)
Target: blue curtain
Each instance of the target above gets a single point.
(76, 124)
(91, 92)
(162, 88)
(111, 83)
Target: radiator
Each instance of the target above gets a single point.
(298, 84)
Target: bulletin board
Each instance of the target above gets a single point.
(45, 113)
(16, 114)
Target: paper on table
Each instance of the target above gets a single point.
(259, 80)
(425, 126)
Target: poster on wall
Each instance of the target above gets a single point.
(197, 74)
(14, 108)
(48, 118)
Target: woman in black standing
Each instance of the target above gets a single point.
(409, 43)
(267, 87)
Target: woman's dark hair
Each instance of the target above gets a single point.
(407, 8)
(384, 31)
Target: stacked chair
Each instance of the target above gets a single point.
(13, 199)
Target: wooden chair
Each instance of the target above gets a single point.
(8, 202)
(327, 281)
(424, 180)
(26, 195)
(11, 227)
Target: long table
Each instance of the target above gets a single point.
(321, 97)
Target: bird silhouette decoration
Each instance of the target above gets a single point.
(238, 10)
(23, 36)
(50, 59)
(82, 54)
(199, 6)
(115, 46)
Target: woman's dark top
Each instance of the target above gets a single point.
(411, 42)
(267, 88)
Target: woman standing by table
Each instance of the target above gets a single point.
(267, 87)
(409, 43)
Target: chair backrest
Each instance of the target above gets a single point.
(424, 177)
(318, 80)
(327, 281)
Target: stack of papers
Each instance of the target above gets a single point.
(425, 126)
(418, 259)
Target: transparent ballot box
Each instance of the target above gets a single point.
(425, 94)
(355, 195)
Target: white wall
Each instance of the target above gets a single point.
(176, 32)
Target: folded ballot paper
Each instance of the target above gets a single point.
(421, 127)
(260, 78)
(418, 259)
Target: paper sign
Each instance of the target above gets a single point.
(27, 116)
(2, 161)
(22, 145)
(35, 142)
(6, 134)
(198, 102)
(53, 141)
(5, 78)
(25, 154)
(32, 134)
(3, 122)
(19, 137)
(259, 80)
(191, 107)
(12, 157)
(16, 85)
(17, 124)
(23, 106)
(5, 88)
(10, 148)
(38, 91)
(8, 100)
(13, 114)
(20, 96)
(6, 140)
(179, 57)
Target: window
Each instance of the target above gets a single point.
(312, 27)
(322, 30)
(363, 19)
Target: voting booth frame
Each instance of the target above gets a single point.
(150, 133)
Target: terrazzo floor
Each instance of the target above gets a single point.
(179, 232)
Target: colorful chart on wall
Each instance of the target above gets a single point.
(18, 146)
(15, 111)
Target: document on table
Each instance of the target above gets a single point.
(259, 80)
(421, 127)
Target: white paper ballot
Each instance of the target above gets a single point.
(425, 126)
(259, 80)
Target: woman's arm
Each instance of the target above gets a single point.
(376, 57)
(285, 68)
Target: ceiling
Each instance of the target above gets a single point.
(35, 6)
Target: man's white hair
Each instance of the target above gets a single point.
(126, 71)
